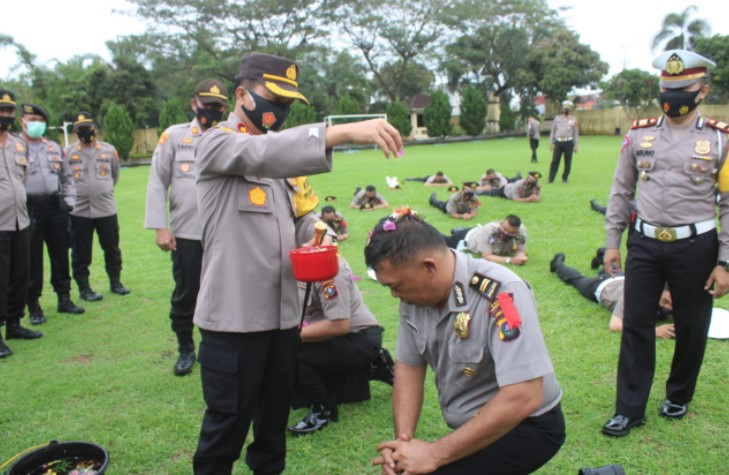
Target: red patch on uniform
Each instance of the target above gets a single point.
(510, 312)
(626, 142)
(268, 119)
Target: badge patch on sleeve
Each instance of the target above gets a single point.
(507, 332)
(329, 289)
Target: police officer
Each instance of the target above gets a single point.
(461, 205)
(533, 132)
(335, 220)
(173, 172)
(525, 190)
(369, 199)
(51, 192)
(673, 164)
(95, 168)
(14, 228)
(503, 242)
(475, 324)
(340, 338)
(563, 139)
(248, 309)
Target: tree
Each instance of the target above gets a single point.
(507, 118)
(679, 31)
(348, 105)
(300, 114)
(173, 112)
(399, 116)
(473, 111)
(128, 83)
(717, 49)
(415, 78)
(634, 89)
(118, 128)
(437, 115)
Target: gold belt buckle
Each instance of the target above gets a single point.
(666, 234)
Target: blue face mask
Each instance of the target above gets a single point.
(35, 130)
(266, 115)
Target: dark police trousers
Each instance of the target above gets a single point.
(585, 285)
(527, 447)
(534, 144)
(685, 265)
(245, 377)
(82, 240)
(186, 266)
(559, 148)
(49, 224)
(14, 270)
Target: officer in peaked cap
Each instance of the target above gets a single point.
(51, 193)
(172, 175)
(248, 308)
(95, 170)
(563, 140)
(673, 164)
(14, 227)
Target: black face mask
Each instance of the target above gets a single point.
(267, 115)
(208, 117)
(6, 122)
(679, 103)
(86, 134)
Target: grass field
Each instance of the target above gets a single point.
(106, 376)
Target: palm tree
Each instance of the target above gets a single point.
(680, 30)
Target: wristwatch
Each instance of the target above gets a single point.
(508, 261)
(724, 264)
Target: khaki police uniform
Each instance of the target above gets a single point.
(473, 353)
(533, 132)
(14, 230)
(248, 306)
(674, 175)
(338, 224)
(326, 366)
(437, 180)
(361, 201)
(51, 192)
(603, 289)
(459, 204)
(499, 181)
(486, 239)
(520, 189)
(173, 173)
(95, 170)
(565, 137)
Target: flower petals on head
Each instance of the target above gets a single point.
(389, 226)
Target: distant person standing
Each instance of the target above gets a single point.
(564, 139)
(95, 169)
(14, 228)
(533, 126)
(51, 193)
(672, 166)
(173, 173)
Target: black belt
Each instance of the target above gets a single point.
(40, 200)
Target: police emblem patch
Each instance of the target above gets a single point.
(257, 196)
(329, 289)
(702, 147)
(462, 325)
(185, 167)
(268, 119)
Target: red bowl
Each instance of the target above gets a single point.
(314, 264)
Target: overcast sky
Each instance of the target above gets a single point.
(619, 30)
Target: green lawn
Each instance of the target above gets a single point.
(106, 376)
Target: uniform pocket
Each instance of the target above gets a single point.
(467, 357)
(103, 171)
(255, 196)
(55, 164)
(184, 169)
(219, 374)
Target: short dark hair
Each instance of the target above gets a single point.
(439, 173)
(370, 188)
(245, 82)
(328, 209)
(410, 237)
(490, 171)
(513, 220)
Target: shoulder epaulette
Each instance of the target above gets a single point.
(640, 123)
(485, 286)
(718, 124)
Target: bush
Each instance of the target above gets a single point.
(300, 114)
(398, 115)
(437, 115)
(507, 119)
(119, 129)
(473, 111)
(173, 112)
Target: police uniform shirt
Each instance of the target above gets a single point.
(437, 179)
(95, 171)
(611, 296)
(459, 204)
(48, 173)
(338, 224)
(13, 209)
(519, 190)
(533, 126)
(564, 128)
(497, 182)
(339, 298)
(173, 169)
(484, 240)
(247, 212)
(470, 368)
(674, 180)
(360, 199)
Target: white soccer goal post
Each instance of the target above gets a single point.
(331, 119)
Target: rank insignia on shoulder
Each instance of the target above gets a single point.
(718, 124)
(640, 123)
(329, 289)
(19, 147)
(459, 295)
(226, 129)
(462, 325)
(485, 286)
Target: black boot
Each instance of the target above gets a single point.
(597, 261)
(556, 260)
(382, 368)
(35, 313)
(117, 287)
(66, 305)
(4, 350)
(320, 416)
(88, 294)
(13, 330)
